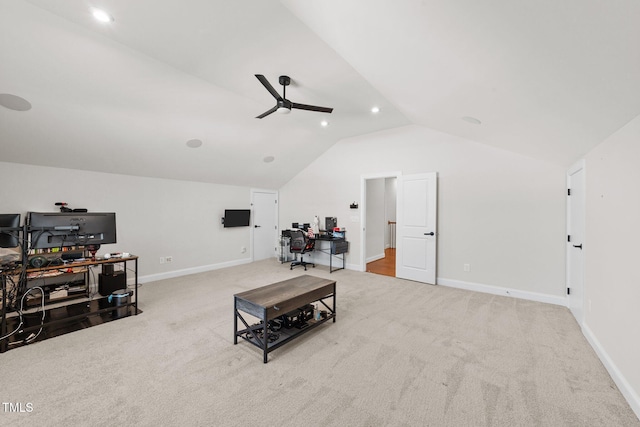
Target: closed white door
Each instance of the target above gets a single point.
(416, 227)
(575, 240)
(265, 224)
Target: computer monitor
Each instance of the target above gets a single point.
(9, 229)
(55, 230)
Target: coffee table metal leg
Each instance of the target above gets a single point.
(235, 321)
(265, 335)
(334, 303)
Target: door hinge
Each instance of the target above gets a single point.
(568, 191)
(568, 238)
(568, 291)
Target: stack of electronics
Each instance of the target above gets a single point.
(297, 318)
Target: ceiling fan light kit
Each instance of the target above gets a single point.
(283, 105)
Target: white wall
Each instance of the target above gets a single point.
(612, 279)
(500, 212)
(155, 217)
(375, 219)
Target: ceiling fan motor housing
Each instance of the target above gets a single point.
(284, 80)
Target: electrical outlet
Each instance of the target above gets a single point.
(243, 250)
(162, 260)
(467, 267)
(169, 259)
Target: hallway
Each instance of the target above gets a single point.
(385, 266)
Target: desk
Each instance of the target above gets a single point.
(337, 246)
(271, 301)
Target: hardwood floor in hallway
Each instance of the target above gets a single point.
(385, 266)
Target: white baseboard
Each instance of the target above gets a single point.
(374, 258)
(497, 290)
(625, 388)
(194, 270)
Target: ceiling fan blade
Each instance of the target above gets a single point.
(270, 88)
(266, 113)
(311, 108)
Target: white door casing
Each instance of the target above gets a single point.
(576, 239)
(265, 224)
(416, 239)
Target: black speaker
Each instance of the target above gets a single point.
(107, 269)
(107, 284)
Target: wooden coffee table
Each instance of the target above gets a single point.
(272, 301)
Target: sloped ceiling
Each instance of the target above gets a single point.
(546, 79)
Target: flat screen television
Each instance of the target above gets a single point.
(236, 217)
(9, 229)
(58, 229)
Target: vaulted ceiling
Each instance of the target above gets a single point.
(548, 79)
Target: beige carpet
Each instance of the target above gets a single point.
(400, 354)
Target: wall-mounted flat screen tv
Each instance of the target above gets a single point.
(55, 230)
(236, 217)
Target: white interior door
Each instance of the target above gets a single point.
(416, 227)
(575, 240)
(265, 224)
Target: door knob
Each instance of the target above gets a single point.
(256, 226)
(578, 246)
(430, 234)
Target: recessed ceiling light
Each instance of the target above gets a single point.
(194, 143)
(102, 16)
(375, 110)
(14, 102)
(324, 123)
(268, 159)
(471, 120)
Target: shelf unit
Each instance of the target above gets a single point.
(62, 315)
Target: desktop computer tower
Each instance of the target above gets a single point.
(330, 223)
(109, 283)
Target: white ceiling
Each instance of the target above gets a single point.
(548, 79)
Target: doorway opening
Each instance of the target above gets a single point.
(379, 219)
(416, 209)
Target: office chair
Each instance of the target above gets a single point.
(301, 244)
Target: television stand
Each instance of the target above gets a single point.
(63, 316)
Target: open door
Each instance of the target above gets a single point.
(416, 227)
(575, 240)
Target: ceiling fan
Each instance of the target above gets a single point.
(283, 105)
